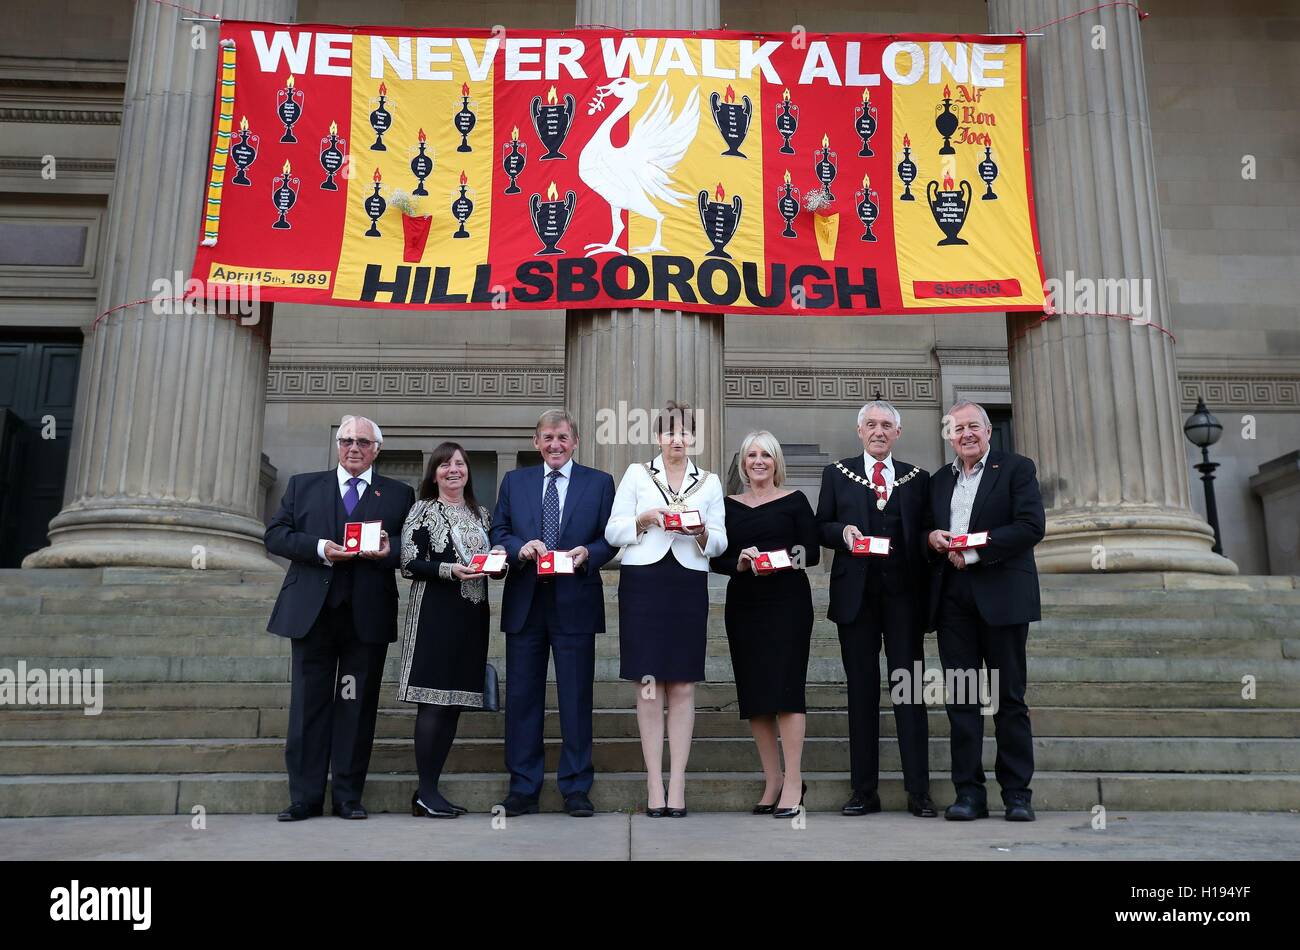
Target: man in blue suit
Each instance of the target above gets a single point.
(556, 506)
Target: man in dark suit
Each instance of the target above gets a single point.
(339, 608)
(983, 600)
(556, 506)
(877, 597)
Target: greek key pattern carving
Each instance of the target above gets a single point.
(1245, 392)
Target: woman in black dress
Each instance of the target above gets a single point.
(445, 641)
(769, 616)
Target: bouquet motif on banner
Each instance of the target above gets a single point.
(712, 171)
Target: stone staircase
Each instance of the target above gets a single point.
(1135, 688)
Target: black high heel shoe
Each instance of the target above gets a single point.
(761, 809)
(791, 812)
(656, 812)
(420, 810)
(677, 812)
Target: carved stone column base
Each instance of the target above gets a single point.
(153, 535)
(1110, 540)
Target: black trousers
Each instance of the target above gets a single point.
(965, 643)
(332, 706)
(575, 672)
(889, 616)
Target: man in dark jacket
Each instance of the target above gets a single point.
(339, 609)
(877, 597)
(982, 599)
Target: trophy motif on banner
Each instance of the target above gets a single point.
(732, 119)
(787, 122)
(551, 122)
(865, 122)
(462, 208)
(949, 207)
(284, 193)
(988, 170)
(375, 205)
(380, 119)
(907, 171)
(551, 217)
(464, 120)
(514, 155)
(288, 106)
(946, 123)
(244, 152)
(720, 219)
(331, 156)
(867, 208)
(421, 165)
(826, 167)
(787, 204)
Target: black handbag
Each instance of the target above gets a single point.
(491, 690)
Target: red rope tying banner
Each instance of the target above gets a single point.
(177, 6)
(1112, 316)
(1142, 14)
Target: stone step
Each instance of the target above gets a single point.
(266, 793)
(721, 694)
(821, 669)
(93, 641)
(398, 722)
(245, 600)
(1051, 753)
(1276, 624)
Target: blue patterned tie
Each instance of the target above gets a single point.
(351, 497)
(551, 512)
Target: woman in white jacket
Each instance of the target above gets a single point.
(663, 596)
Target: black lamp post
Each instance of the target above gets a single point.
(1203, 429)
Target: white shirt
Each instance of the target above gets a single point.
(963, 500)
(561, 483)
(887, 472)
(637, 492)
(343, 475)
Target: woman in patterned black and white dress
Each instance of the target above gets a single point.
(445, 640)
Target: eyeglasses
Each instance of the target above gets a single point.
(359, 443)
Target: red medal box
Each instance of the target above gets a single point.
(771, 561)
(680, 520)
(362, 537)
(871, 545)
(554, 562)
(493, 562)
(960, 542)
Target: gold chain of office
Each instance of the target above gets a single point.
(880, 502)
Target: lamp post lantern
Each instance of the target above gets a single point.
(1203, 430)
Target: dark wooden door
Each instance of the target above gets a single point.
(38, 393)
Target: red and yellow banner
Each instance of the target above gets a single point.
(712, 171)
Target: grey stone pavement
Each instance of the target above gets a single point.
(1062, 836)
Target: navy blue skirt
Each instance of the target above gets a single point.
(663, 618)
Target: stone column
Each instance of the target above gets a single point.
(1096, 398)
(639, 359)
(167, 449)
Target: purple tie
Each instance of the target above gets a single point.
(351, 497)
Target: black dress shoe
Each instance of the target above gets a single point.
(661, 812)
(761, 809)
(862, 803)
(966, 809)
(300, 811)
(516, 805)
(578, 805)
(350, 810)
(791, 812)
(1019, 810)
(420, 810)
(921, 806)
(677, 812)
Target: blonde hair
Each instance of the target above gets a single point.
(766, 441)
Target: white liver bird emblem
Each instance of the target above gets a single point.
(636, 175)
